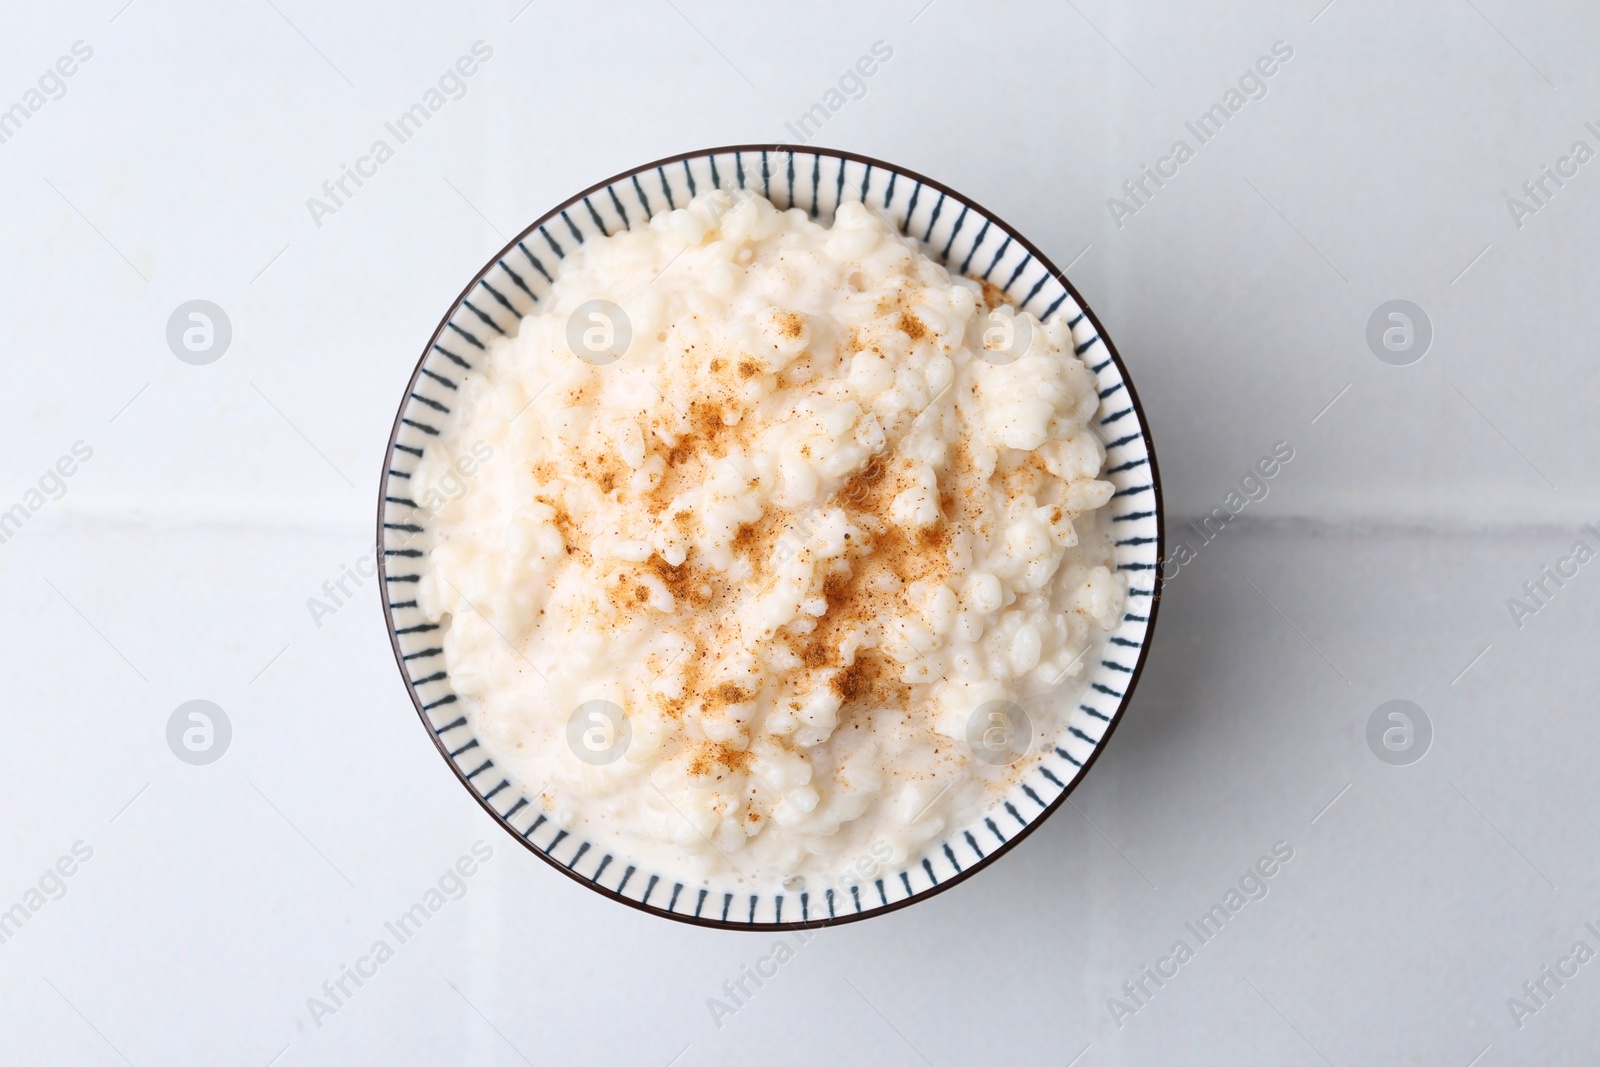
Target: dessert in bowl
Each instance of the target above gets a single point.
(777, 536)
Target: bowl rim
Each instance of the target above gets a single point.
(1155, 597)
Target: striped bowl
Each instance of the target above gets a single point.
(968, 240)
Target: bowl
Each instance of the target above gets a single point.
(954, 231)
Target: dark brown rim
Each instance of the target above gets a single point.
(1037, 820)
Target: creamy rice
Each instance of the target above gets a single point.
(800, 534)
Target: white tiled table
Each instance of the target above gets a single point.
(219, 498)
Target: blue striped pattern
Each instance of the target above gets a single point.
(953, 230)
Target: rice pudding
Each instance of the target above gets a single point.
(780, 518)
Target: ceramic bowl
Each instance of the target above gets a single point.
(955, 231)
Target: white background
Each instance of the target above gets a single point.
(219, 498)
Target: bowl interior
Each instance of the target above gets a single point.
(967, 240)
